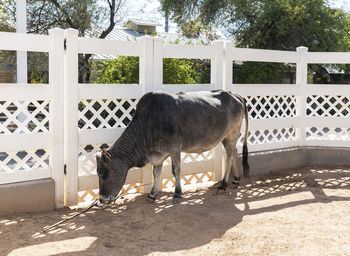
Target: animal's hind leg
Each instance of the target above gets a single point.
(230, 150)
(156, 174)
(236, 176)
(176, 169)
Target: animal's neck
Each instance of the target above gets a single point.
(131, 146)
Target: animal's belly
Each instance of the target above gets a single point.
(200, 146)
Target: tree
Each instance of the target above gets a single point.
(122, 70)
(270, 24)
(125, 70)
(195, 29)
(83, 15)
(5, 24)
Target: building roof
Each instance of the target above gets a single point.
(131, 35)
(143, 22)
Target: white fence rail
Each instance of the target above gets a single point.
(76, 119)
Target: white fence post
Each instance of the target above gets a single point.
(56, 74)
(227, 73)
(301, 81)
(146, 64)
(217, 79)
(71, 115)
(158, 63)
(146, 81)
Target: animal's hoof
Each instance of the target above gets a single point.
(221, 189)
(236, 180)
(151, 198)
(177, 198)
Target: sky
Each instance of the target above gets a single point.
(148, 9)
(343, 4)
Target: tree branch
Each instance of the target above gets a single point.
(111, 20)
(68, 19)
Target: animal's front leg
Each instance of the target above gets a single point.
(176, 169)
(156, 174)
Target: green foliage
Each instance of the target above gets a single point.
(176, 71)
(263, 73)
(125, 70)
(270, 24)
(6, 8)
(185, 71)
(122, 70)
(36, 77)
(82, 15)
(38, 65)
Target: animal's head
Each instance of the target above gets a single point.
(111, 174)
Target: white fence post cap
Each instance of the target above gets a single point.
(218, 42)
(146, 38)
(302, 49)
(229, 43)
(157, 38)
(56, 31)
(71, 31)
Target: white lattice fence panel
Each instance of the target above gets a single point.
(105, 113)
(191, 157)
(270, 136)
(187, 158)
(87, 195)
(23, 160)
(328, 106)
(260, 107)
(92, 194)
(189, 180)
(87, 166)
(24, 117)
(87, 158)
(328, 133)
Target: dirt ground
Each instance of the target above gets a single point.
(303, 212)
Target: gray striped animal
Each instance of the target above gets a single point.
(167, 124)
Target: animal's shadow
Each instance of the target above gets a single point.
(139, 227)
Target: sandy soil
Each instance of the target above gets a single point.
(305, 212)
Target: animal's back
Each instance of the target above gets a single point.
(196, 120)
(207, 118)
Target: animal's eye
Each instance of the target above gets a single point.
(101, 172)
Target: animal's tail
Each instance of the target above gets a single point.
(245, 147)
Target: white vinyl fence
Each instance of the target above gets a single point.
(31, 130)
(76, 120)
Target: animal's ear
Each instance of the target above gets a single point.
(106, 156)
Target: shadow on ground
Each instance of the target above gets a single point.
(139, 227)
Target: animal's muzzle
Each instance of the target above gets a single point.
(106, 200)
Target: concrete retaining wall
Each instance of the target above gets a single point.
(39, 195)
(29, 196)
(269, 161)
